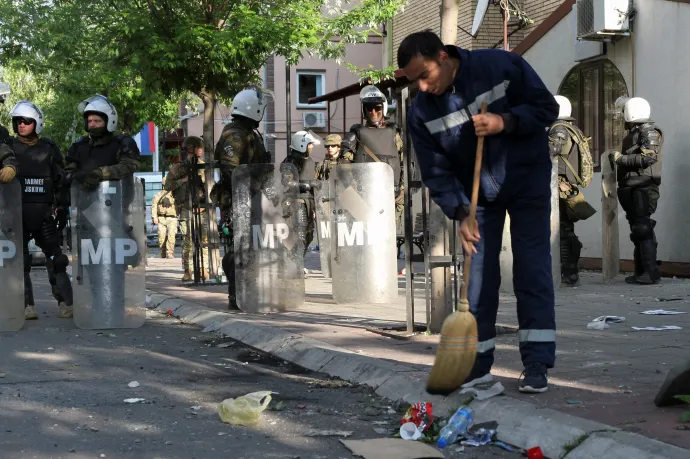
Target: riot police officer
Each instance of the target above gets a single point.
(301, 146)
(639, 177)
(44, 204)
(187, 198)
(334, 156)
(569, 144)
(239, 143)
(379, 140)
(103, 154)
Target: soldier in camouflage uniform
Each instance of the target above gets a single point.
(239, 143)
(104, 154)
(382, 139)
(177, 182)
(164, 215)
(569, 144)
(333, 157)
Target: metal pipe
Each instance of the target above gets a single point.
(288, 105)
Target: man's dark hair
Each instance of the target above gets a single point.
(426, 44)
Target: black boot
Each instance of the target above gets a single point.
(651, 274)
(637, 263)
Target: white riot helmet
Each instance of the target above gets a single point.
(101, 106)
(635, 110)
(565, 108)
(26, 109)
(372, 95)
(301, 139)
(251, 103)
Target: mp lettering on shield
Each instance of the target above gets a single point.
(353, 234)
(264, 236)
(7, 251)
(102, 253)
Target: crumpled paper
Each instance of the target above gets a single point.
(661, 312)
(602, 322)
(665, 327)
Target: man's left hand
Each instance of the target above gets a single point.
(487, 124)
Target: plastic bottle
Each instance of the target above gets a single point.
(457, 426)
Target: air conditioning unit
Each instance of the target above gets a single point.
(602, 20)
(314, 119)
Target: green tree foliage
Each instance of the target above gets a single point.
(144, 53)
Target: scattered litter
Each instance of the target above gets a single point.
(134, 400)
(94, 429)
(420, 415)
(148, 300)
(168, 443)
(244, 410)
(535, 453)
(479, 437)
(225, 344)
(329, 433)
(50, 349)
(112, 335)
(669, 299)
(2, 375)
(410, 431)
(280, 406)
(169, 312)
(479, 394)
(381, 430)
(683, 427)
(574, 402)
(133, 384)
(460, 449)
(380, 423)
(196, 407)
(220, 434)
(602, 322)
(500, 444)
(391, 448)
(665, 327)
(390, 411)
(661, 312)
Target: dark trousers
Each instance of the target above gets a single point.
(529, 207)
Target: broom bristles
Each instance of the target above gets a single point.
(456, 353)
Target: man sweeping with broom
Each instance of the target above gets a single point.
(449, 133)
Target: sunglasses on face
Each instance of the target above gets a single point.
(25, 121)
(374, 108)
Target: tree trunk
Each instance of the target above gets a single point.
(449, 22)
(209, 99)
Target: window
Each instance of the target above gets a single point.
(592, 89)
(151, 190)
(310, 84)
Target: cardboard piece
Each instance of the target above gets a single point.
(391, 448)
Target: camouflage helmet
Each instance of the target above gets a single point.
(333, 139)
(193, 142)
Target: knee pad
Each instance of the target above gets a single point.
(60, 263)
(641, 231)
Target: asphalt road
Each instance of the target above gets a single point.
(62, 393)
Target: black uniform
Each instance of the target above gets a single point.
(107, 157)
(306, 167)
(43, 191)
(639, 177)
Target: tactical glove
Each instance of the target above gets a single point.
(92, 179)
(7, 173)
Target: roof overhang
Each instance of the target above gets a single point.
(399, 81)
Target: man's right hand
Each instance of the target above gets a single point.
(469, 234)
(155, 221)
(7, 173)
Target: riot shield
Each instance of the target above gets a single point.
(363, 257)
(11, 257)
(269, 260)
(109, 270)
(322, 200)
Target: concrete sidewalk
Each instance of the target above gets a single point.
(608, 377)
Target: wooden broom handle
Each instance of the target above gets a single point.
(473, 206)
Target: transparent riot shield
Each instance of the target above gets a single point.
(269, 260)
(322, 200)
(11, 257)
(363, 257)
(108, 239)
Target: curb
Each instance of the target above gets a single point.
(560, 435)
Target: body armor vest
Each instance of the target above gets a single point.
(35, 171)
(381, 142)
(91, 157)
(256, 153)
(632, 144)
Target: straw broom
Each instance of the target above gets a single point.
(457, 349)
